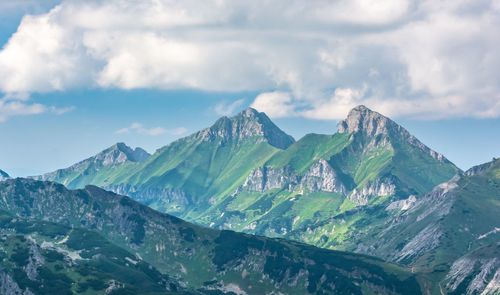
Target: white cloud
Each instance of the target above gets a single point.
(276, 104)
(61, 111)
(308, 58)
(153, 131)
(228, 108)
(18, 108)
(15, 107)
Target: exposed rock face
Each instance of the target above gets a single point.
(365, 120)
(121, 152)
(423, 242)
(480, 274)
(479, 169)
(35, 260)
(362, 119)
(246, 124)
(438, 201)
(402, 205)
(117, 154)
(267, 178)
(435, 204)
(373, 189)
(319, 177)
(322, 177)
(493, 286)
(3, 175)
(9, 287)
(168, 197)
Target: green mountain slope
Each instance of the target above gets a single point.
(100, 168)
(48, 258)
(441, 232)
(201, 260)
(193, 170)
(331, 190)
(244, 173)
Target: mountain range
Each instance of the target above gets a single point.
(244, 173)
(371, 188)
(88, 241)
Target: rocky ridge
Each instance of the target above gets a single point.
(247, 124)
(113, 156)
(453, 229)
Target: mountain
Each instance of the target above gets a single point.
(90, 239)
(193, 169)
(452, 233)
(330, 190)
(244, 173)
(98, 167)
(3, 175)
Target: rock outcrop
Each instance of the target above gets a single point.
(319, 177)
(9, 287)
(476, 273)
(372, 189)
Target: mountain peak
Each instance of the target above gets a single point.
(364, 119)
(120, 152)
(3, 175)
(247, 124)
(249, 112)
(370, 123)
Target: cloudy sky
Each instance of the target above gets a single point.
(77, 76)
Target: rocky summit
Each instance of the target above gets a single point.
(247, 124)
(380, 129)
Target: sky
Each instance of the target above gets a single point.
(78, 76)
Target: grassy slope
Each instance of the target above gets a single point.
(328, 219)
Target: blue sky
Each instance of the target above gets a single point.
(76, 79)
